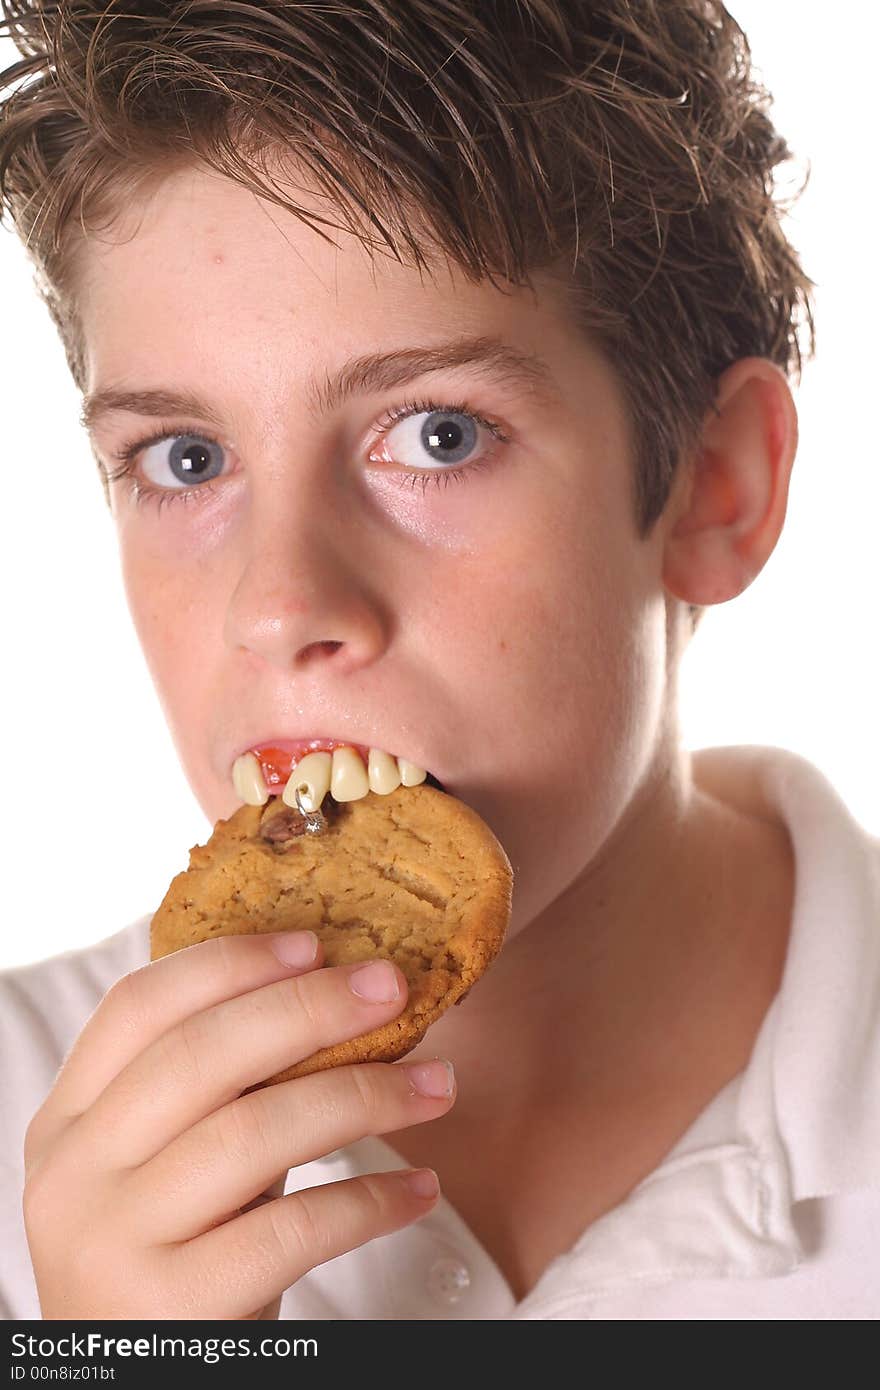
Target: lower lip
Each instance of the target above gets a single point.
(277, 760)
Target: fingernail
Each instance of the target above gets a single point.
(434, 1079)
(376, 982)
(424, 1182)
(295, 947)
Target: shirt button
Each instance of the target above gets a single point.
(448, 1280)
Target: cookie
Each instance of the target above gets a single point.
(415, 876)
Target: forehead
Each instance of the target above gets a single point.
(201, 243)
(211, 288)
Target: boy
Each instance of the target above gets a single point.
(435, 358)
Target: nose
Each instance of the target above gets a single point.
(303, 593)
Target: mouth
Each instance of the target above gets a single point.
(314, 767)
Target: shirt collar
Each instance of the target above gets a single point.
(825, 1057)
(803, 1119)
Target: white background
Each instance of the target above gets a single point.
(791, 662)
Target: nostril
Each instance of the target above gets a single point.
(315, 649)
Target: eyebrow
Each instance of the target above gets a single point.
(371, 372)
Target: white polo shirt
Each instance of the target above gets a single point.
(767, 1208)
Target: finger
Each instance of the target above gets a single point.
(219, 1165)
(144, 1004)
(210, 1058)
(254, 1258)
(271, 1311)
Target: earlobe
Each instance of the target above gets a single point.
(728, 513)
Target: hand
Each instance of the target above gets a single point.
(152, 1182)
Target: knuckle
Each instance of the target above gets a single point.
(289, 1231)
(37, 1200)
(307, 999)
(34, 1140)
(373, 1196)
(55, 1167)
(55, 1203)
(128, 999)
(364, 1088)
(224, 953)
(183, 1051)
(244, 1128)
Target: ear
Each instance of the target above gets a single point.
(731, 506)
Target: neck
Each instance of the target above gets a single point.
(662, 957)
(610, 1021)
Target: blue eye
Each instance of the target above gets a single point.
(445, 436)
(190, 459)
(429, 441)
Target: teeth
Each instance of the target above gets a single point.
(384, 774)
(348, 779)
(342, 773)
(247, 778)
(410, 774)
(312, 776)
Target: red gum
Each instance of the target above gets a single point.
(277, 760)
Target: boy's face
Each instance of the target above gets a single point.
(505, 629)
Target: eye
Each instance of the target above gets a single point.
(432, 439)
(184, 459)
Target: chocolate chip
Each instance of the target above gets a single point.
(281, 823)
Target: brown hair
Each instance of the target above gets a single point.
(623, 146)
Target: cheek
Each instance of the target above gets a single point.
(576, 674)
(573, 668)
(172, 620)
(551, 630)
(593, 744)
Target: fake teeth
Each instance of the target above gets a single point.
(383, 772)
(348, 776)
(247, 777)
(312, 774)
(342, 773)
(410, 775)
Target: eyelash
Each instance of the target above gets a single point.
(127, 454)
